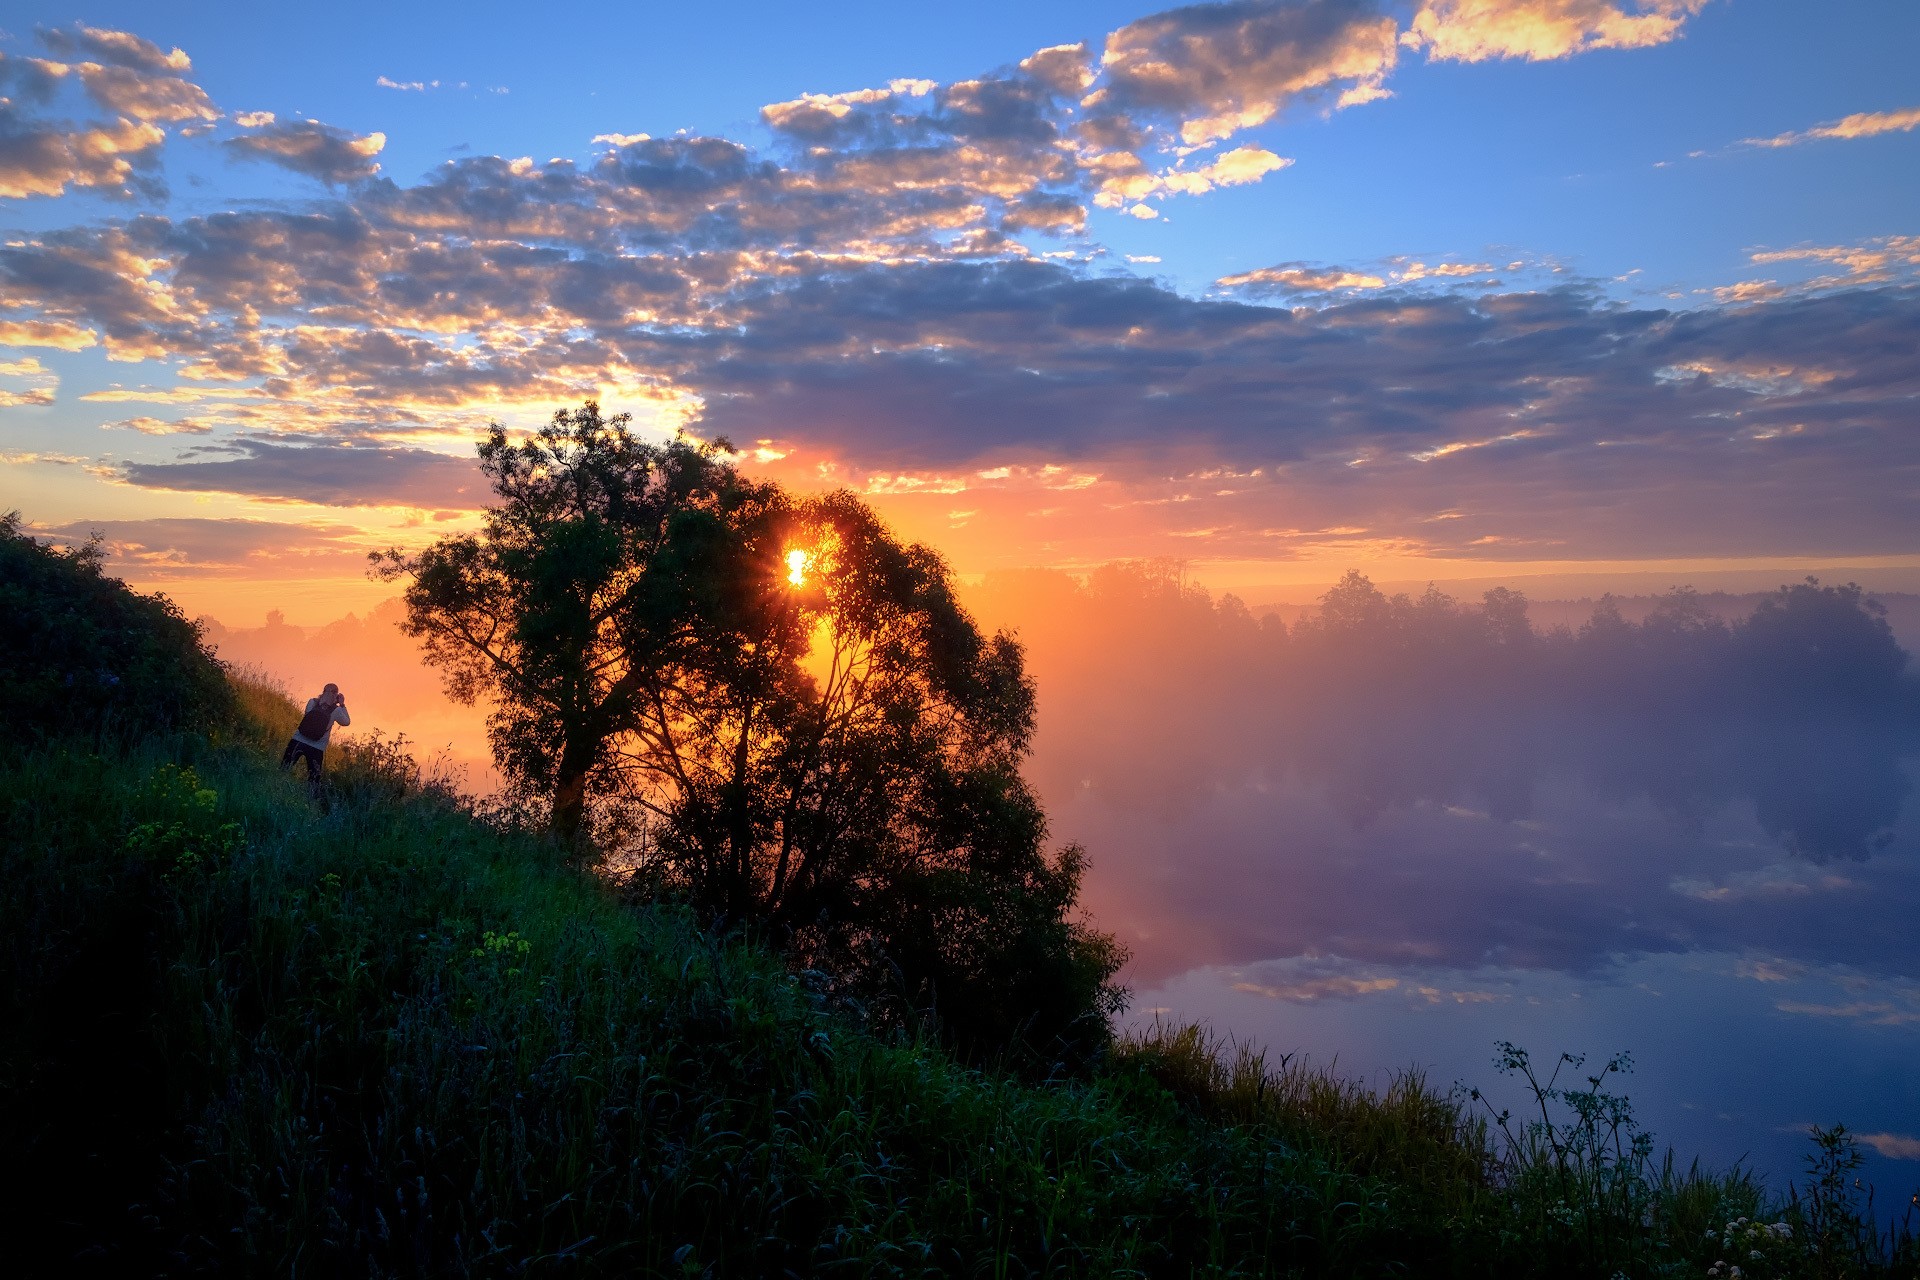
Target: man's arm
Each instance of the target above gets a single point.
(340, 716)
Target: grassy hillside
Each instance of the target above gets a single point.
(383, 1034)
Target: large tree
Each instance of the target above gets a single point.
(812, 733)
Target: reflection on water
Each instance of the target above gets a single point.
(1406, 829)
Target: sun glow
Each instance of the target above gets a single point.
(797, 561)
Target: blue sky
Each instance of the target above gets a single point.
(1545, 184)
(1553, 158)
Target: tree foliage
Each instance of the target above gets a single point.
(777, 711)
(81, 651)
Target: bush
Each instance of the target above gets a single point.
(83, 653)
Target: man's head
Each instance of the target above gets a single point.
(333, 691)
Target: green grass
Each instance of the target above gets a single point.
(248, 1034)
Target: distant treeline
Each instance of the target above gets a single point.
(1154, 692)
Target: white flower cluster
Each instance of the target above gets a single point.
(1745, 1236)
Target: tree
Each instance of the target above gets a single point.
(83, 652)
(782, 711)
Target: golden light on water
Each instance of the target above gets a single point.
(797, 567)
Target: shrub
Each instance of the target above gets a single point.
(82, 652)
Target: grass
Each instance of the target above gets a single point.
(384, 1036)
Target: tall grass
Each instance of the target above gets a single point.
(251, 1033)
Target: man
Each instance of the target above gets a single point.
(309, 741)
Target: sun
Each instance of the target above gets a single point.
(797, 567)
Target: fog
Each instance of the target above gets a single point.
(389, 689)
(1425, 780)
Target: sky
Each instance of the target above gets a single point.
(1439, 289)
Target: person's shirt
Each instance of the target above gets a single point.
(340, 717)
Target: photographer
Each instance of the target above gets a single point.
(310, 738)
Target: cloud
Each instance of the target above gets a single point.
(159, 426)
(1542, 30)
(824, 116)
(657, 277)
(46, 333)
(168, 99)
(142, 86)
(26, 382)
(164, 395)
(1894, 1146)
(129, 75)
(1230, 169)
(1878, 1013)
(199, 547)
(1749, 291)
(38, 158)
(1309, 990)
(1409, 272)
(1881, 260)
(1214, 69)
(1300, 278)
(407, 86)
(316, 150)
(864, 291)
(120, 48)
(30, 458)
(328, 474)
(1862, 124)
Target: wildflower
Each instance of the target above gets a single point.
(509, 944)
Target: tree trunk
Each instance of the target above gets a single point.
(570, 797)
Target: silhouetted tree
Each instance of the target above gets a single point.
(805, 728)
(80, 651)
(580, 588)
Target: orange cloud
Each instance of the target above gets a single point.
(1542, 30)
(46, 333)
(1303, 279)
(1861, 124)
(37, 383)
(159, 426)
(1230, 169)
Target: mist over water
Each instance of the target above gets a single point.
(1401, 829)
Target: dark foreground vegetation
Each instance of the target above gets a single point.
(389, 1034)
